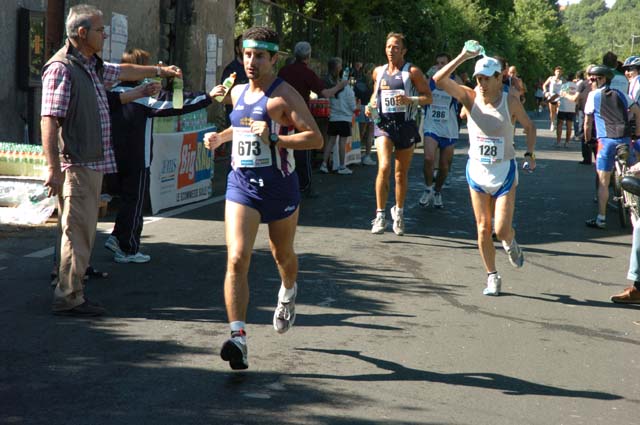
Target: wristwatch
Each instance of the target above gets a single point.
(273, 139)
(531, 154)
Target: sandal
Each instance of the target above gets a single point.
(91, 272)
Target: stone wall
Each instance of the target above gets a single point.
(169, 33)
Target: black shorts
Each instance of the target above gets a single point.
(339, 128)
(403, 135)
(566, 116)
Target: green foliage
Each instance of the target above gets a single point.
(597, 29)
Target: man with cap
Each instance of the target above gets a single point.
(262, 185)
(608, 110)
(491, 169)
(305, 81)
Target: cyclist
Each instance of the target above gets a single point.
(608, 109)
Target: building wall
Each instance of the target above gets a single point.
(13, 101)
(152, 26)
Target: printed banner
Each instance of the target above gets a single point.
(181, 170)
(352, 148)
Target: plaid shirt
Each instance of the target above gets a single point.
(56, 92)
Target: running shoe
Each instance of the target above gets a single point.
(437, 200)
(378, 224)
(285, 314)
(345, 171)
(113, 245)
(494, 283)
(234, 350)
(552, 128)
(323, 168)
(596, 223)
(398, 222)
(138, 258)
(367, 160)
(516, 256)
(427, 198)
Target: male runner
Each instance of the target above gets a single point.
(262, 186)
(440, 131)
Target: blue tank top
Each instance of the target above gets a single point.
(248, 151)
(389, 86)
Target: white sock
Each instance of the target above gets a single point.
(237, 326)
(285, 294)
(601, 217)
(430, 188)
(399, 211)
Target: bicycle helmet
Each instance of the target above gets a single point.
(601, 70)
(632, 62)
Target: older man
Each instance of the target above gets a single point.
(76, 137)
(305, 81)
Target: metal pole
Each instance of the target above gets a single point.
(633, 39)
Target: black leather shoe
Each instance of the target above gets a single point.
(585, 162)
(86, 309)
(309, 194)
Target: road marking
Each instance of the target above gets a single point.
(42, 253)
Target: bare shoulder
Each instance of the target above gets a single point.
(286, 93)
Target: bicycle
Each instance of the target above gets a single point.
(626, 188)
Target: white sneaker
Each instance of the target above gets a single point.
(494, 283)
(285, 314)
(345, 171)
(235, 351)
(552, 128)
(378, 224)
(367, 160)
(515, 254)
(437, 200)
(323, 168)
(138, 258)
(426, 199)
(398, 222)
(113, 245)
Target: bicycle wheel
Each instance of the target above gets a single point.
(618, 193)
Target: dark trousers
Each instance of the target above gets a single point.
(303, 168)
(134, 187)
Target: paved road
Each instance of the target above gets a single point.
(390, 330)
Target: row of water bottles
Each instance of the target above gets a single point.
(192, 121)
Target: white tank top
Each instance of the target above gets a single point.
(491, 132)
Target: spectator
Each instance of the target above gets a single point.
(304, 80)
(566, 110)
(133, 144)
(363, 87)
(76, 137)
(343, 104)
(618, 81)
(236, 66)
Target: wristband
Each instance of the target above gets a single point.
(157, 71)
(531, 154)
(415, 99)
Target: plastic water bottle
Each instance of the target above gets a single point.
(474, 46)
(345, 73)
(178, 101)
(227, 83)
(374, 113)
